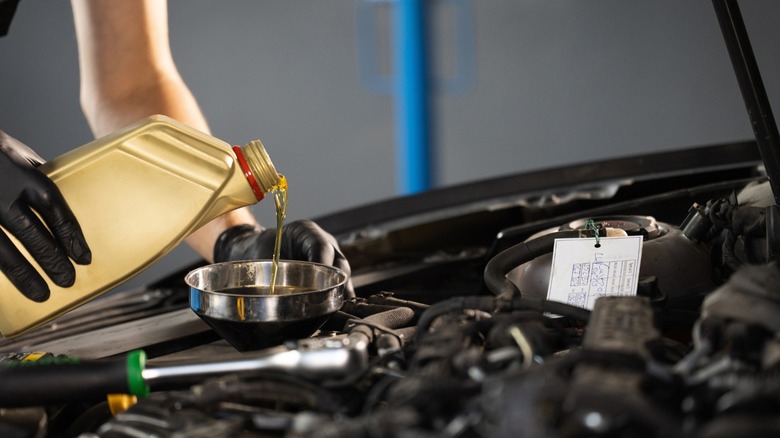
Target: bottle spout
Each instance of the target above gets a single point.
(257, 167)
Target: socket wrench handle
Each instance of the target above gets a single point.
(57, 380)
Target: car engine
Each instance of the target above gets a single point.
(452, 334)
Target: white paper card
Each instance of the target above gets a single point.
(581, 272)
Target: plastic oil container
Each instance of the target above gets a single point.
(137, 193)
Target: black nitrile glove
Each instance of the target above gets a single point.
(7, 10)
(301, 240)
(51, 239)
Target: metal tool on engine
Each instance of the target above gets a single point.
(63, 379)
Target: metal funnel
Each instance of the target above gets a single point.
(234, 299)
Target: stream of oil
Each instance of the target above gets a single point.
(280, 199)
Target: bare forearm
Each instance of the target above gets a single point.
(128, 73)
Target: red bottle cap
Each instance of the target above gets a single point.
(248, 173)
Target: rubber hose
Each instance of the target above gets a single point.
(500, 265)
(392, 319)
(566, 310)
(456, 304)
(387, 320)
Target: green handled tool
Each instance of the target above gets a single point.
(56, 380)
(53, 380)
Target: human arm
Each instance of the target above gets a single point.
(128, 73)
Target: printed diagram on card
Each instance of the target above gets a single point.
(582, 272)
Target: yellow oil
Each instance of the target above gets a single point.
(280, 199)
(281, 289)
(137, 193)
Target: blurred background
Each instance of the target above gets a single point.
(517, 85)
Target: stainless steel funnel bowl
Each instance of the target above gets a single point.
(234, 299)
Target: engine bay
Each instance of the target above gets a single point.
(433, 346)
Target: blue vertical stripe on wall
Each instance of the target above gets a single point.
(414, 163)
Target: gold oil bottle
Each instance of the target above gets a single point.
(137, 193)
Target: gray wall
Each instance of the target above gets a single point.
(557, 82)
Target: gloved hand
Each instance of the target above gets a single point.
(301, 240)
(51, 239)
